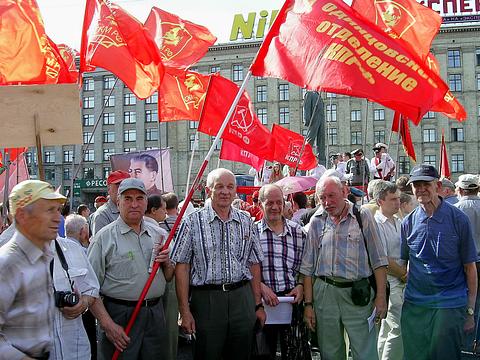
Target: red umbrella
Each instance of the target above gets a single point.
(293, 184)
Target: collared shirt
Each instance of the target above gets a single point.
(105, 214)
(385, 165)
(436, 248)
(120, 258)
(70, 340)
(297, 216)
(218, 251)
(390, 233)
(168, 223)
(26, 299)
(360, 171)
(451, 199)
(339, 250)
(7, 234)
(283, 254)
(470, 205)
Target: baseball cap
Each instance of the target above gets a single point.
(29, 191)
(423, 172)
(99, 199)
(447, 183)
(131, 183)
(378, 146)
(467, 181)
(357, 192)
(117, 176)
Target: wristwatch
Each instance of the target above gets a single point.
(470, 311)
(259, 306)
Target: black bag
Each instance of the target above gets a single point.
(371, 278)
(361, 292)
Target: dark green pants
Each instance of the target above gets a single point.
(224, 323)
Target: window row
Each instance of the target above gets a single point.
(129, 117)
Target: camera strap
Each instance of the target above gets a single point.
(63, 262)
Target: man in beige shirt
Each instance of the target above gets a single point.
(120, 255)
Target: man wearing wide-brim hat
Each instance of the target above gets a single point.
(441, 289)
(26, 301)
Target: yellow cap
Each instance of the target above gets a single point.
(29, 191)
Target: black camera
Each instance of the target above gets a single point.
(65, 299)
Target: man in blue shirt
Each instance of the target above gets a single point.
(442, 278)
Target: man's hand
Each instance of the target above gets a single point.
(309, 317)
(162, 256)
(261, 316)
(268, 295)
(469, 325)
(187, 322)
(75, 311)
(117, 336)
(381, 306)
(297, 293)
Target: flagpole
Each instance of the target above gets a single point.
(365, 144)
(6, 161)
(195, 183)
(160, 141)
(400, 125)
(329, 118)
(195, 145)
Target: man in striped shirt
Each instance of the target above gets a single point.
(282, 244)
(217, 254)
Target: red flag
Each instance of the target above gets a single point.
(444, 167)
(13, 153)
(27, 55)
(400, 125)
(408, 22)
(325, 45)
(244, 128)
(116, 41)
(233, 152)
(18, 172)
(288, 148)
(182, 95)
(181, 42)
(68, 54)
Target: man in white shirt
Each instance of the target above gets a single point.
(382, 164)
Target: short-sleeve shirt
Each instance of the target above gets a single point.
(218, 251)
(105, 214)
(120, 258)
(437, 248)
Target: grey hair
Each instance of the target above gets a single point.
(372, 188)
(321, 183)
(74, 223)
(261, 193)
(382, 188)
(215, 174)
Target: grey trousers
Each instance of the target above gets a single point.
(170, 308)
(224, 323)
(147, 337)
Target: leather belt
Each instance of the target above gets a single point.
(340, 284)
(132, 303)
(222, 287)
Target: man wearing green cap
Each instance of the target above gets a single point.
(26, 303)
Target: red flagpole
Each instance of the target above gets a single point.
(156, 265)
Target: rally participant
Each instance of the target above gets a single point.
(447, 191)
(382, 164)
(217, 254)
(358, 169)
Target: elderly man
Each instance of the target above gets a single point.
(121, 254)
(282, 244)
(390, 337)
(336, 257)
(109, 212)
(70, 338)
(357, 169)
(217, 254)
(440, 295)
(26, 301)
(447, 191)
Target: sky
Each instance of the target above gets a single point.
(64, 18)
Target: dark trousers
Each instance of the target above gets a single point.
(91, 329)
(432, 333)
(224, 323)
(147, 337)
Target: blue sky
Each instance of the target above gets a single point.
(63, 18)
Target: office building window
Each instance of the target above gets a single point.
(379, 114)
(458, 163)
(477, 56)
(262, 116)
(356, 115)
(50, 174)
(193, 124)
(67, 174)
(107, 153)
(214, 69)
(152, 99)
(86, 137)
(331, 114)
(283, 94)
(108, 82)
(129, 117)
(455, 82)
(430, 160)
(332, 136)
(67, 156)
(88, 120)
(379, 136)
(151, 134)
(129, 149)
(129, 99)
(284, 115)
(151, 115)
(261, 93)
(429, 115)
(331, 95)
(404, 164)
(88, 102)
(130, 135)
(29, 158)
(109, 136)
(237, 72)
(192, 142)
(478, 81)
(49, 157)
(429, 135)
(219, 144)
(88, 173)
(88, 84)
(109, 101)
(89, 155)
(106, 171)
(356, 138)
(457, 134)
(109, 119)
(454, 59)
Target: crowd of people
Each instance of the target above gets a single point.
(386, 274)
